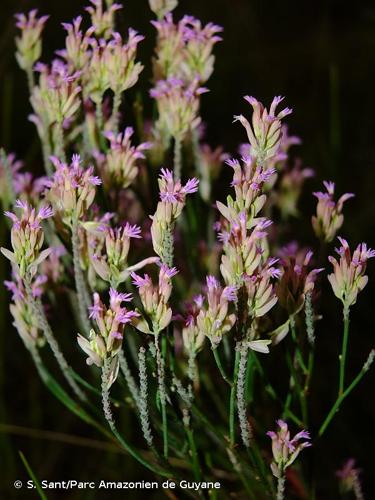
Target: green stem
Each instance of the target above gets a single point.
(297, 384)
(344, 351)
(346, 393)
(298, 351)
(82, 293)
(177, 158)
(220, 366)
(232, 400)
(193, 453)
(37, 309)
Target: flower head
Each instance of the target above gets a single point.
(56, 97)
(349, 479)
(72, 189)
(102, 19)
(214, 319)
(265, 132)
(329, 217)
(348, 277)
(178, 106)
(119, 165)
(184, 49)
(261, 295)
(154, 298)
(119, 59)
(286, 450)
(27, 238)
(24, 319)
(296, 281)
(172, 201)
(77, 45)
(106, 339)
(110, 260)
(29, 44)
(162, 7)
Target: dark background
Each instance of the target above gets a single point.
(320, 55)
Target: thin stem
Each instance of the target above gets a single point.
(162, 394)
(37, 309)
(82, 293)
(298, 351)
(344, 351)
(346, 393)
(109, 417)
(297, 384)
(280, 488)
(220, 366)
(193, 453)
(177, 158)
(232, 400)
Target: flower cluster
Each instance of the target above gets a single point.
(214, 319)
(291, 184)
(24, 318)
(111, 263)
(329, 217)
(101, 19)
(261, 296)
(265, 131)
(72, 189)
(178, 106)
(296, 281)
(9, 168)
(77, 45)
(192, 336)
(184, 50)
(119, 166)
(348, 277)
(286, 450)
(112, 65)
(162, 7)
(29, 44)
(106, 339)
(248, 182)
(172, 201)
(349, 477)
(154, 300)
(56, 98)
(243, 251)
(27, 238)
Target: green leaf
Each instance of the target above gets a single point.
(33, 476)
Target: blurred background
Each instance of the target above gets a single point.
(321, 56)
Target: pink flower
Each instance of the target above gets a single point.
(286, 450)
(27, 238)
(329, 218)
(265, 132)
(348, 277)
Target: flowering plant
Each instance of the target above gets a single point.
(125, 213)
